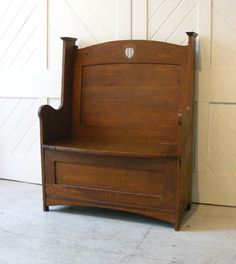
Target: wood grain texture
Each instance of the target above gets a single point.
(142, 181)
(122, 138)
(56, 124)
(100, 146)
(139, 91)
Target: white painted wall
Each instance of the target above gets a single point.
(30, 62)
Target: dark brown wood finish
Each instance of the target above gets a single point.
(122, 138)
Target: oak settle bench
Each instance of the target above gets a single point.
(123, 135)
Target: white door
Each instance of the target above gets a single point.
(30, 63)
(214, 179)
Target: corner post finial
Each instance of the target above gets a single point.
(67, 39)
(191, 36)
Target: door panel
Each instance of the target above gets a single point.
(30, 63)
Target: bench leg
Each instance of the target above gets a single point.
(189, 207)
(45, 208)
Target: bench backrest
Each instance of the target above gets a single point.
(131, 90)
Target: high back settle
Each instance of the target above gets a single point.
(131, 98)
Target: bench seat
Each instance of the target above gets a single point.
(126, 149)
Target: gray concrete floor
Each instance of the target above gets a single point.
(71, 235)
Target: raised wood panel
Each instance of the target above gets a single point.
(132, 181)
(66, 175)
(114, 99)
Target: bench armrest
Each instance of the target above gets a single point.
(54, 124)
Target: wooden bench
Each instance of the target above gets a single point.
(123, 135)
